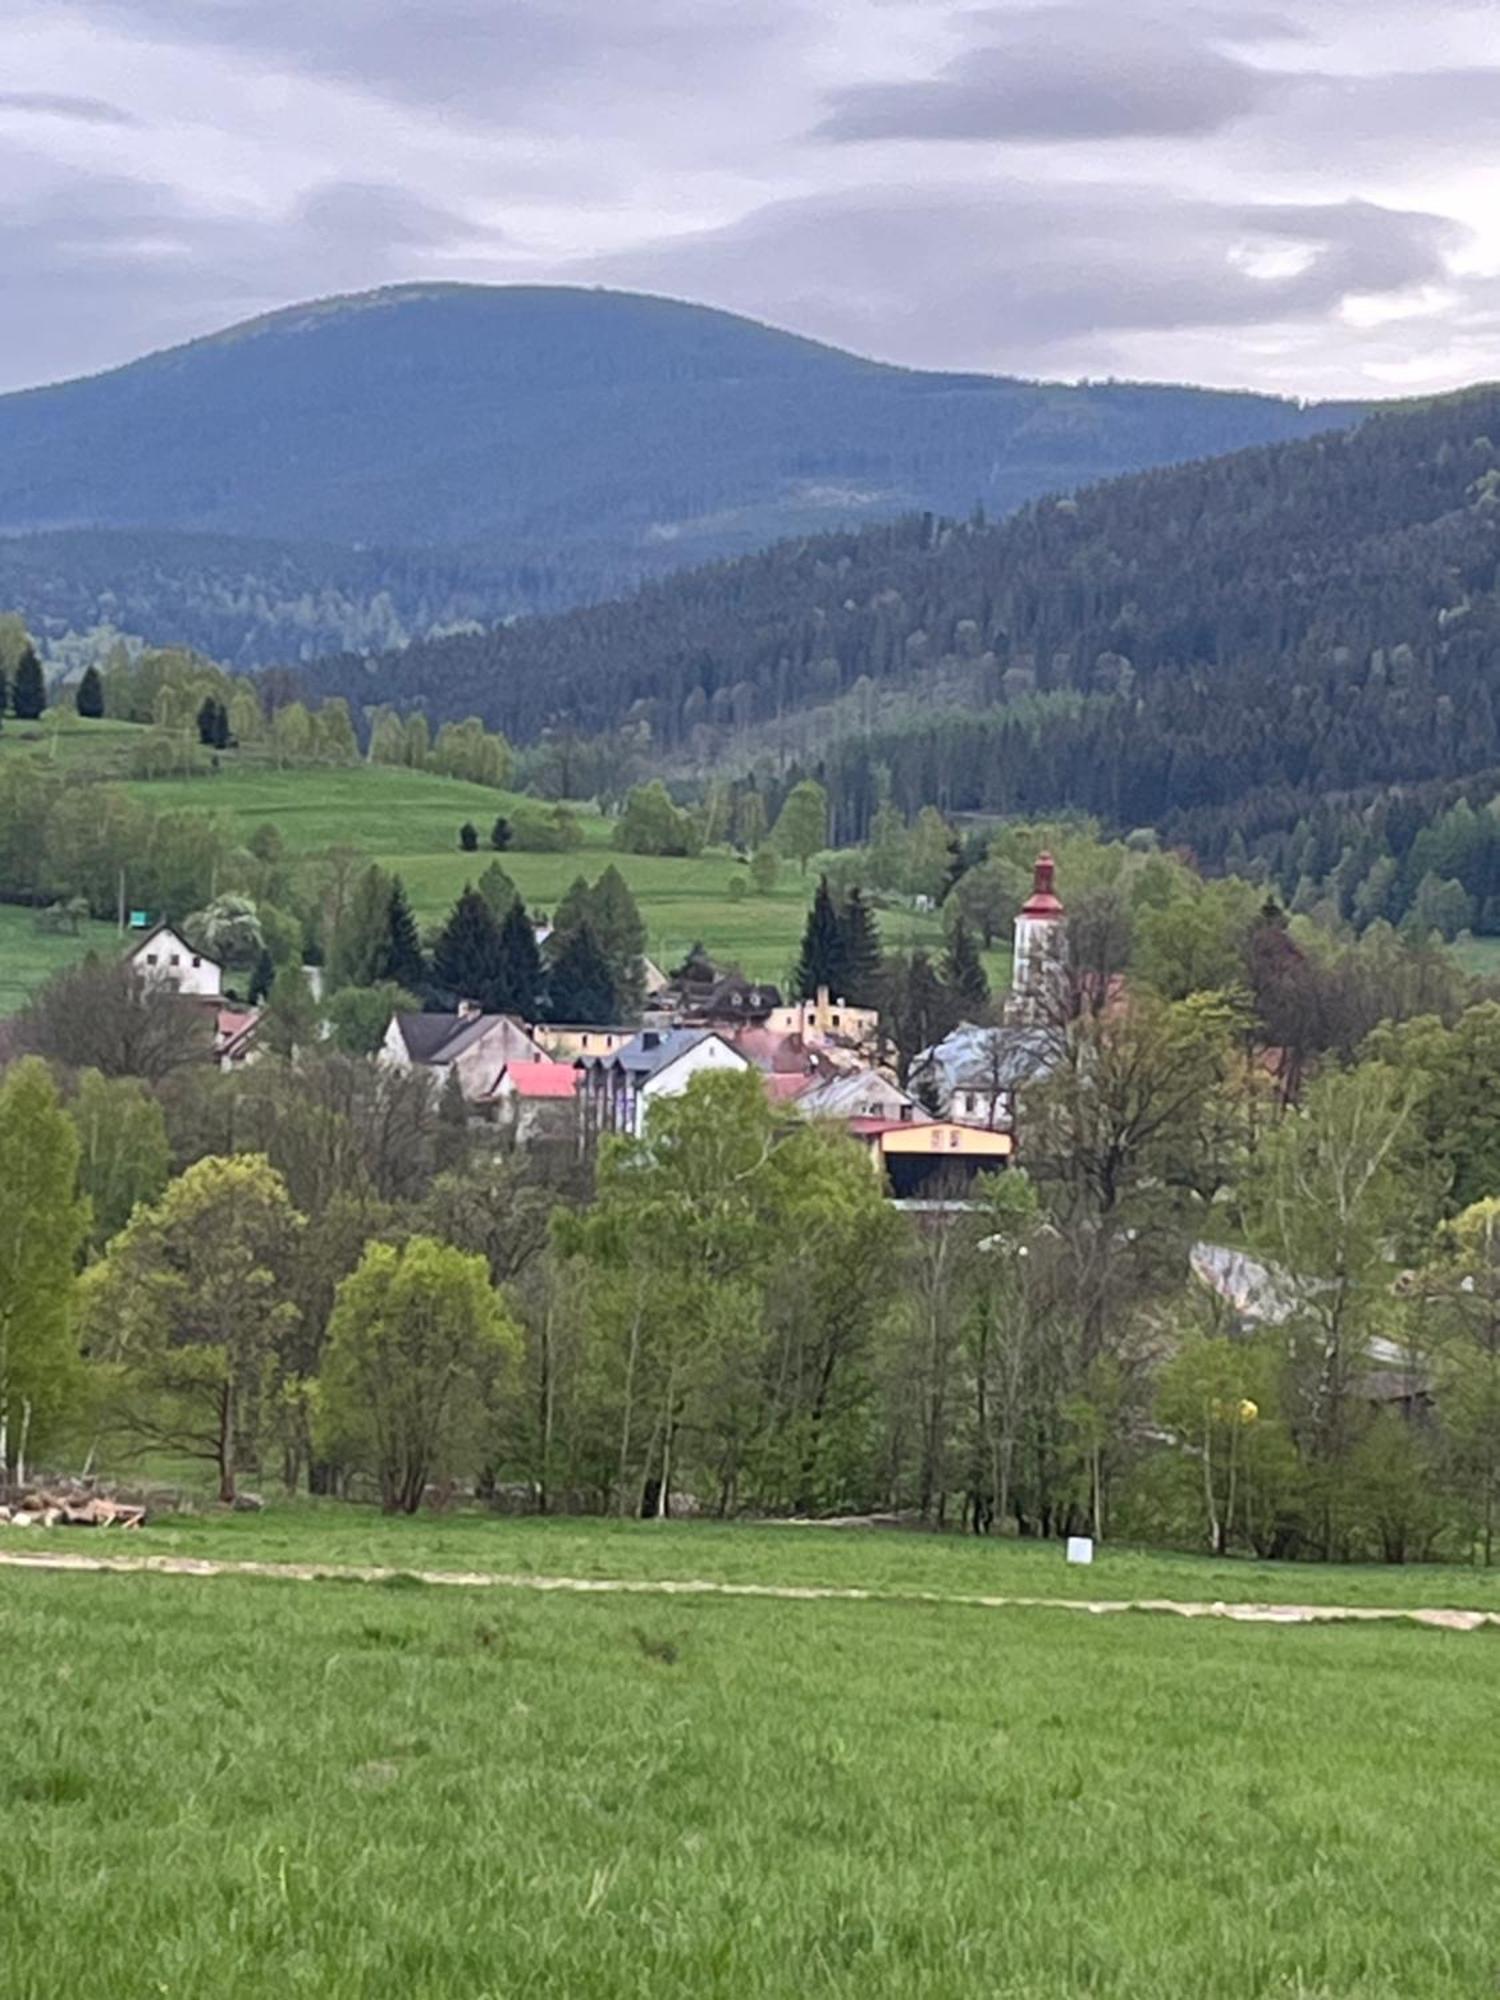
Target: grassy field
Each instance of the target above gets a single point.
(410, 821)
(892, 1563)
(253, 1788)
(29, 955)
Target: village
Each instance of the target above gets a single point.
(543, 1084)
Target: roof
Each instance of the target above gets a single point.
(784, 1053)
(1043, 901)
(974, 1057)
(164, 929)
(736, 996)
(539, 1079)
(440, 1038)
(842, 1094)
(654, 1048)
(783, 1086)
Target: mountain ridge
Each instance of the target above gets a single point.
(600, 436)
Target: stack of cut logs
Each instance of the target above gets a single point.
(68, 1506)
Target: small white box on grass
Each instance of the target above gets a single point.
(1080, 1549)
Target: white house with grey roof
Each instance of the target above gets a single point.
(617, 1091)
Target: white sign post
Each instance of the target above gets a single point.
(1080, 1549)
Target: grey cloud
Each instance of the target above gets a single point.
(126, 266)
(493, 56)
(1069, 72)
(1016, 275)
(56, 104)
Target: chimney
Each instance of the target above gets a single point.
(469, 1010)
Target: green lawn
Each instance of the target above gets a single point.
(61, 736)
(274, 1791)
(885, 1561)
(28, 954)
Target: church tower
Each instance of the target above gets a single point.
(1041, 947)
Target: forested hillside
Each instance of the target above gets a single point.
(1313, 617)
(539, 447)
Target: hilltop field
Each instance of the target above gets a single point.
(249, 1786)
(409, 821)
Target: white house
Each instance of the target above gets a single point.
(618, 1091)
(474, 1045)
(164, 958)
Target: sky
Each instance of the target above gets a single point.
(1302, 198)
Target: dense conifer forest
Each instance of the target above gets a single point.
(353, 472)
(1220, 650)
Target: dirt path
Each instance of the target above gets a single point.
(1249, 1614)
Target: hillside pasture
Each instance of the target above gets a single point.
(30, 954)
(248, 1787)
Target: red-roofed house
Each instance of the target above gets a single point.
(535, 1100)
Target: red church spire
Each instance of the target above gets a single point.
(1044, 901)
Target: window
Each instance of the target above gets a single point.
(197, 964)
(835, 1020)
(175, 959)
(151, 958)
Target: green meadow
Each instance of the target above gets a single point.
(409, 821)
(29, 954)
(331, 1791)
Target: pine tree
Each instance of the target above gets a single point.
(361, 942)
(89, 700)
(29, 691)
(402, 960)
(468, 837)
(501, 834)
(520, 981)
(963, 971)
(620, 932)
(861, 948)
(213, 723)
(822, 958)
(580, 985)
(467, 956)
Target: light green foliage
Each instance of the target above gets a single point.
(469, 751)
(928, 855)
(124, 1158)
(720, 1242)
(651, 824)
(358, 1016)
(1194, 942)
(43, 1221)
(1455, 1073)
(801, 829)
(417, 1348)
(227, 929)
(764, 868)
(188, 1306)
(1328, 1193)
(292, 1019)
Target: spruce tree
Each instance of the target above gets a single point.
(500, 834)
(620, 931)
(29, 691)
(89, 700)
(861, 948)
(468, 837)
(263, 978)
(467, 956)
(402, 960)
(520, 979)
(497, 889)
(821, 962)
(963, 971)
(360, 945)
(208, 722)
(580, 985)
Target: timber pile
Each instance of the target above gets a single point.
(69, 1506)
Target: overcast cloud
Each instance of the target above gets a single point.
(1300, 198)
